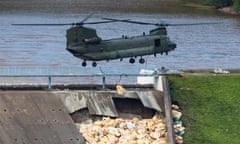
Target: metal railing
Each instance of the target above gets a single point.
(50, 72)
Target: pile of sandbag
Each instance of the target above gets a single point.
(125, 131)
(179, 129)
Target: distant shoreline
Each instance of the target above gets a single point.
(138, 6)
(228, 10)
(225, 10)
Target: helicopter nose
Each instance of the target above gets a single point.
(172, 45)
(72, 50)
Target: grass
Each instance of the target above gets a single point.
(198, 6)
(211, 107)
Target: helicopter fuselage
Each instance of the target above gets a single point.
(123, 48)
(89, 47)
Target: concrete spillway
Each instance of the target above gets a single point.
(48, 117)
(35, 117)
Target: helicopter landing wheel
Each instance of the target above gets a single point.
(141, 60)
(84, 63)
(94, 64)
(131, 60)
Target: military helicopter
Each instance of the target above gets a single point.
(84, 43)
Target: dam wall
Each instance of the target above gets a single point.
(38, 115)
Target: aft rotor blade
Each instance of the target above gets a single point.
(192, 24)
(160, 24)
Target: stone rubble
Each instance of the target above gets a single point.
(125, 131)
(179, 129)
(132, 131)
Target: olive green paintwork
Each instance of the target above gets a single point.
(84, 43)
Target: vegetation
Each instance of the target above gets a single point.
(211, 108)
(236, 5)
(224, 3)
(218, 3)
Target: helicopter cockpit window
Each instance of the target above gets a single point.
(157, 42)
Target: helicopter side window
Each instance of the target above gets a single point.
(157, 42)
(75, 40)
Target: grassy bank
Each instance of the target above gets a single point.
(211, 108)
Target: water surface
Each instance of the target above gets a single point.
(204, 46)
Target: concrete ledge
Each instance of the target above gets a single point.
(168, 109)
(70, 87)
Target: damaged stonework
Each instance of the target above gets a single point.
(72, 100)
(151, 99)
(101, 102)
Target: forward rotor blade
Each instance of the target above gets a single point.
(86, 18)
(130, 21)
(100, 22)
(43, 24)
(64, 24)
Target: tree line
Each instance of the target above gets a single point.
(223, 3)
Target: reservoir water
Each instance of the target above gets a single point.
(202, 46)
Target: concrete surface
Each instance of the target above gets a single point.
(35, 117)
(44, 116)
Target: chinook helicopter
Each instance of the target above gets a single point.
(84, 43)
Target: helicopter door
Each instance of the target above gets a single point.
(157, 42)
